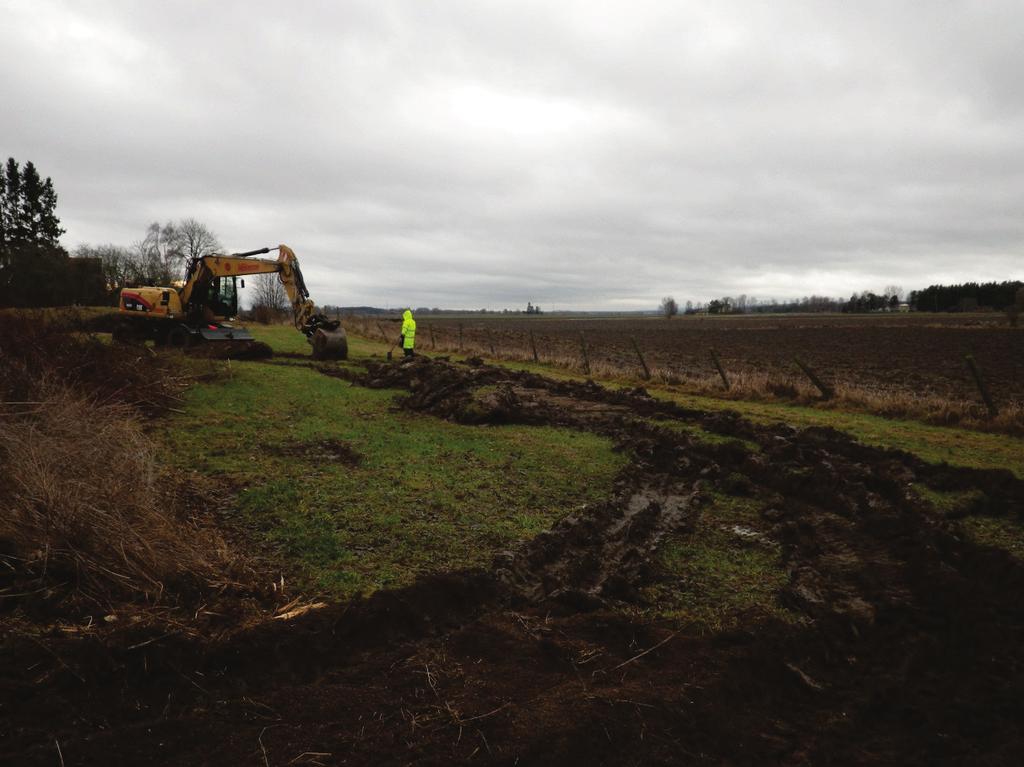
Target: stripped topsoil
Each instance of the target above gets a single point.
(906, 650)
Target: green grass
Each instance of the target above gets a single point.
(285, 339)
(935, 444)
(427, 496)
(970, 507)
(701, 434)
(1004, 533)
(718, 576)
(949, 503)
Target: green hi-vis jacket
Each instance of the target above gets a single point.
(408, 330)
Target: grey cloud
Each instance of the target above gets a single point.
(576, 154)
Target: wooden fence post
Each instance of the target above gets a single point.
(586, 357)
(643, 363)
(533, 345)
(721, 370)
(490, 342)
(826, 390)
(433, 343)
(460, 338)
(993, 411)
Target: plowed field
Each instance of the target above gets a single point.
(910, 355)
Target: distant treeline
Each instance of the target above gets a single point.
(967, 297)
(858, 302)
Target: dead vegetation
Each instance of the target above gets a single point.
(90, 516)
(928, 408)
(41, 347)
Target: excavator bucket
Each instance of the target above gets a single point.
(329, 344)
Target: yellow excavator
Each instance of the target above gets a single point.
(203, 310)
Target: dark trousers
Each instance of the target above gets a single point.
(408, 352)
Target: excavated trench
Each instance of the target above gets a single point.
(905, 650)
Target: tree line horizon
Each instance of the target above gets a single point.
(37, 271)
(958, 297)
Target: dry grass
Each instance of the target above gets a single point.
(86, 506)
(83, 499)
(38, 345)
(891, 403)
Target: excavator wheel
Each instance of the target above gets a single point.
(179, 337)
(127, 332)
(330, 344)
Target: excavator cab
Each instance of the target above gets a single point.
(222, 298)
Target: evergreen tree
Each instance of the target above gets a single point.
(28, 207)
(38, 209)
(11, 204)
(50, 229)
(3, 207)
(34, 267)
(966, 296)
(31, 201)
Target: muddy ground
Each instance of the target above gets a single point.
(906, 648)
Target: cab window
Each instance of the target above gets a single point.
(223, 297)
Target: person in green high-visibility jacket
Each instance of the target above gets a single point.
(408, 339)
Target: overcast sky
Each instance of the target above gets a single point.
(575, 154)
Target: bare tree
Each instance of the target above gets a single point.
(195, 239)
(162, 250)
(117, 263)
(669, 307)
(157, 259)
(270, 301)
(147, 267)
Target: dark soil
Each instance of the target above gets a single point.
(320, 451)
(235, 350)
(907, 651)
(917, 354)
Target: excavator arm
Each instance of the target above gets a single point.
(324, 334)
